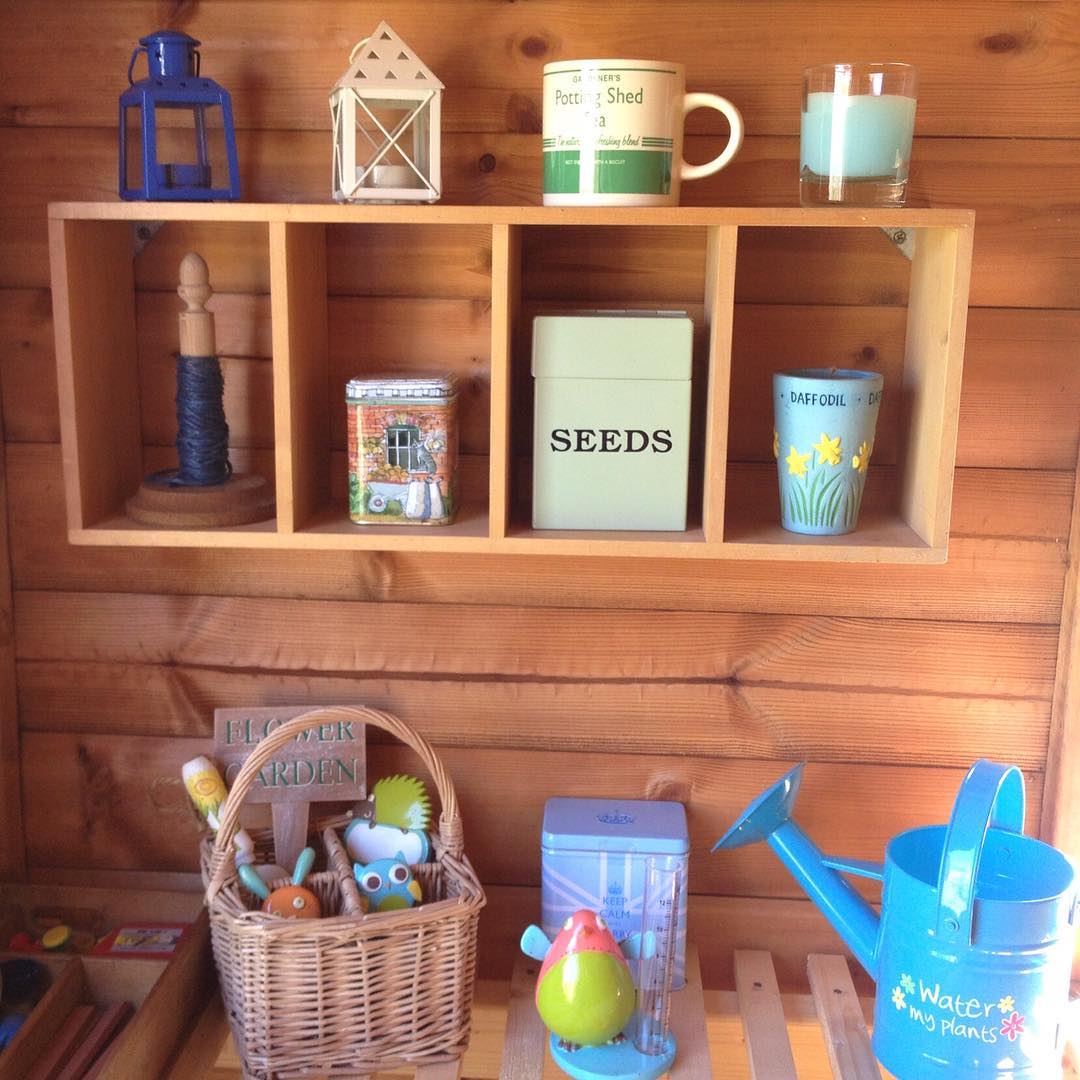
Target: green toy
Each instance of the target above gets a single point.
(402, 801)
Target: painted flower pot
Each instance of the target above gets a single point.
(823, 438)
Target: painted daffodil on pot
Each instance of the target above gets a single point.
(823, 440)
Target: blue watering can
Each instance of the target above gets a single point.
(973, 948)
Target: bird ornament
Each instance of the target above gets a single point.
(585, 992)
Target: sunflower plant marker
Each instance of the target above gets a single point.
(823, 440)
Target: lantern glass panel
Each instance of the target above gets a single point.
(404, 125)
(133, 148)
(191, 144)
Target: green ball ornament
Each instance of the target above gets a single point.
(586, 997)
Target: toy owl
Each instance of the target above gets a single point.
(585, 993)
(388, 884)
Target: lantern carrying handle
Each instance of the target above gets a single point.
(134, 57)
(146, 49)
(356, 48)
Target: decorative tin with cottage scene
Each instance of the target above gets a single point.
(402, 449)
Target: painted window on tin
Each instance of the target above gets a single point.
(402, 443)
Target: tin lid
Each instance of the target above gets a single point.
(642, 825)
(438, 385)
(613, 345)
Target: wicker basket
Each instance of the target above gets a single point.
(347, 993)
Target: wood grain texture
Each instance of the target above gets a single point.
(128, 810)
(719, 718)
(525, 1038)
(997, 69)
(993, 575)
(842, 1020)
(890, 680)
(12, 851)
(168, 1004)
(1061, 815)
(300, 367)
(764, 1026)
(1001, 404)
(339, 636)
(1007, 182)
(46, 1021)
(721, 252)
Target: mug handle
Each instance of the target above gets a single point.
(734, 119)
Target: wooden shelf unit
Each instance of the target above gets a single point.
(906, 519)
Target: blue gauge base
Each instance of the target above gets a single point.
(614, 1061)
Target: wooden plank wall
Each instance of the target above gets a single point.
(539, 676)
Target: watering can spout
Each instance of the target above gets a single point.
(768, 818)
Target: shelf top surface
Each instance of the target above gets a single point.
(332, 213)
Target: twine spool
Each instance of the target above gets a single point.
(202, 433)
(202, 492)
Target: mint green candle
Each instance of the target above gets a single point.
(857, 124)
(862, 135)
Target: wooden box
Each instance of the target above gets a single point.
(168, 994)
(354, 289)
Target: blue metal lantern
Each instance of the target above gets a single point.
(184, 117)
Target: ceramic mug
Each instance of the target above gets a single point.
(613, 133)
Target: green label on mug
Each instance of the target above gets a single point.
(611, 127)
(614, 172)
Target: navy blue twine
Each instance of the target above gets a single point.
(202, 435)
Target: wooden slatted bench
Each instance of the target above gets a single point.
(752, 1033)
(847, 1040)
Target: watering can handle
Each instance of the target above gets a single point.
(991, 796)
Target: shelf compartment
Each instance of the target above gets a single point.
(584, 268)
(918, 350)
(116, 340)
(345, 308)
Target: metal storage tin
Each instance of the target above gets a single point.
(402, 442)
(594, 853)
(611, 430)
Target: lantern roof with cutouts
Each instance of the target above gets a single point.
(384, 62)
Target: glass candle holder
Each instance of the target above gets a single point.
(857, 124)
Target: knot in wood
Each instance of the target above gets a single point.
(534, 46)
(1001, 43)
(668, 788)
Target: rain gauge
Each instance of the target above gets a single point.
(647, 1048)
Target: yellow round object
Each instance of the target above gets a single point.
(56, 937)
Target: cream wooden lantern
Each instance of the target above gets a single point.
(386, 116)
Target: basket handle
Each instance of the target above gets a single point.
(450, 831)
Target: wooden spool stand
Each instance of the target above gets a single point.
(241, 499)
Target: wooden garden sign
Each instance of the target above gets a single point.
(326, 763)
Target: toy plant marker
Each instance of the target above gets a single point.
(323, 764)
